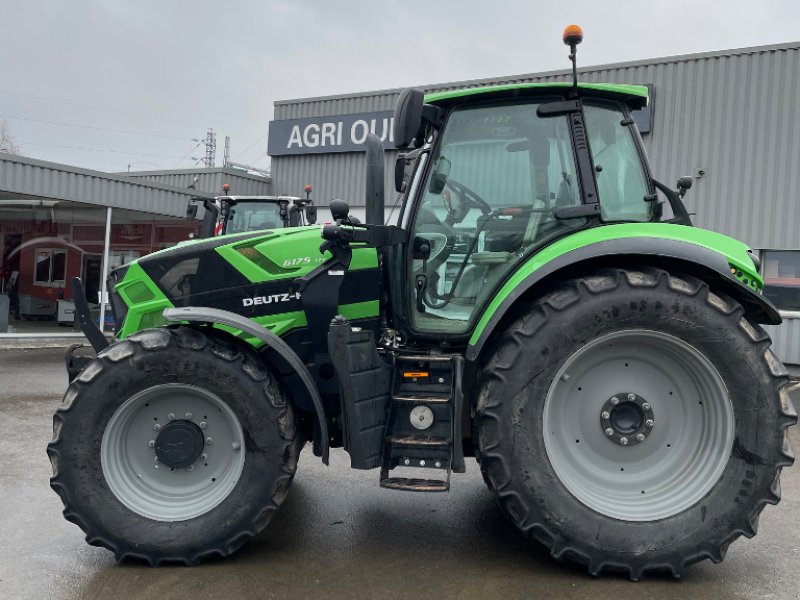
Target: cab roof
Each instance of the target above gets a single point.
(635, 96)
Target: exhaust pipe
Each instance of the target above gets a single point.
(375, 200)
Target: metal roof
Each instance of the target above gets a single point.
(207, 180)
(30, 177)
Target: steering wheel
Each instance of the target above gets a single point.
(457, 210)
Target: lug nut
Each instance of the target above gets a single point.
(605, 414)
(649, 422)
(640, 437)
(188, 415)
(646, 406)
(422, 463)
(406, 462)
(190, 468)
(632, 397)
(614, 401)
(623, 441)
(609, 432)
(437, 464)
(155, 466)
(204, 456)
(156, 427)
(152, 443)
(209, 441)
(171, 416)
(202, 424)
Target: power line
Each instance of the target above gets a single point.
(111, 110)
(250, 146)
(182, 158)
(96, 150)
(169, 137)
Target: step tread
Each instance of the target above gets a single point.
(419, 440)
(424, 357)
(415, 485)
(422, 398)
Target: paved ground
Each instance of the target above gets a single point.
(337, 536)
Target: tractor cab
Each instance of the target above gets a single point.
(507, 171)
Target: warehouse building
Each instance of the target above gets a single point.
(57, 221)
(731, 119)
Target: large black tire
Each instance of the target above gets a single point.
(526, 358)
(186, 357)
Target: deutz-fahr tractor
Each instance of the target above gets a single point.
(543, 304)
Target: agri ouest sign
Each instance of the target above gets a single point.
(323, 135)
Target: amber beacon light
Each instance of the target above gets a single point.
(573, 35)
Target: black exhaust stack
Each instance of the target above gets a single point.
(375, 200)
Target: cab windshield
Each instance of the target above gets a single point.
(488, 200)
(253, 215)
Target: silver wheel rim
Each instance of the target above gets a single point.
(685, 450)
(154, 490)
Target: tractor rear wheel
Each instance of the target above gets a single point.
(173, 446)
(633, 420)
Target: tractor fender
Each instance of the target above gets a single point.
(200, 314)
(707, 264)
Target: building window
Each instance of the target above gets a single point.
(781, 272)
(51, 267)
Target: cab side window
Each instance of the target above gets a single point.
(621, 180)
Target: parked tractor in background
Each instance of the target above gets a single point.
(238, 214)
(534, 307)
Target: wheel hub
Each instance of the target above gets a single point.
(179, 444)
(627, 419)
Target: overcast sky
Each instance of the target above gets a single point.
(161, 72)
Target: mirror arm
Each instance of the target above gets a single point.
(681, 216)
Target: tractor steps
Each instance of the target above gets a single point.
(423, 427)
(415, 485)
(423, 398)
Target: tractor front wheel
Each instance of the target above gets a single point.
(634, 420)
(173, 446)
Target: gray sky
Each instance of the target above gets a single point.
(166, 70)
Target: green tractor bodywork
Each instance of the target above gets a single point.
(533, 307)
(278, 256)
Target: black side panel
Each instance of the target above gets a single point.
(365, 391)
(204, 278)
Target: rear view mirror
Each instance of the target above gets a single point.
(684, 185)
(407, 117)
(339, 210)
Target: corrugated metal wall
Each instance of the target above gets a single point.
(208, 180)
(31, 177)
(732, 114)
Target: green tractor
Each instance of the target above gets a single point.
(237, 214)
(534, 308)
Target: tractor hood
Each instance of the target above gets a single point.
(252, 274)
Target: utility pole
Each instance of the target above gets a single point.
(211, 149)
(226, 156)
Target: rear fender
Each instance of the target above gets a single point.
(724, 263)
